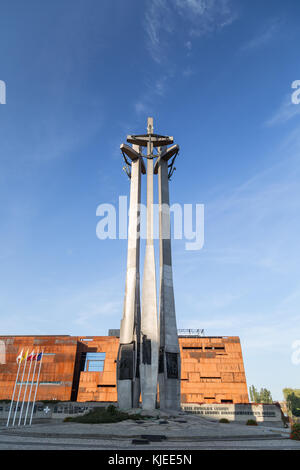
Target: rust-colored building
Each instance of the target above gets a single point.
(84, 368)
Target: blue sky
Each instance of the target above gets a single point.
(215, 74)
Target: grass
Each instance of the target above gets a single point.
(104, 415)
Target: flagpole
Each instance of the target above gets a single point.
(30, 390)
(37, 384)
(13, 395)
(24, 396)
(25, 359)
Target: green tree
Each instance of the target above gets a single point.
(292, 397)
(264, 396)
(254, 395)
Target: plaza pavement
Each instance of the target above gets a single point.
(184, 432)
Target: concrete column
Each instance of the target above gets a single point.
(169, 373)
(128, 381)
(149, 331)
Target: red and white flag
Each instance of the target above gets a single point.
(31, 356)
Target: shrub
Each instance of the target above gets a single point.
(295, 432)
(68, 419)
(224, 420)
(251, 422)
(53, 402)
(112, 410)
(104, 415)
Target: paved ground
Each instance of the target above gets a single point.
(9, 443)
(188, 432)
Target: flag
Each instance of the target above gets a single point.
(20, 358)
(31, 356)
(16, 407)
(39, 357)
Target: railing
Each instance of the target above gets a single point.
(191, 332)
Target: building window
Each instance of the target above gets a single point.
(219, 378)
(106, 386)
(94, 362)
(50, 383)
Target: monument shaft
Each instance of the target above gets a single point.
(144, 353)
(169, 351)
(128, 382)
(149, 330)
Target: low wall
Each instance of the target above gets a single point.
(44, 411)
(269, 415)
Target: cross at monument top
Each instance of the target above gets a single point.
(150, 125)
(155, 139)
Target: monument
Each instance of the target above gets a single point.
(149, 351)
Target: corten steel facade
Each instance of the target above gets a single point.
(212, 369)
(57, 373)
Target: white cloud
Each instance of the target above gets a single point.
(158, 19)
(154, 90)
(264, 36)
(94, 311)
(165, 16)
(188, 45)
(206, 16)
(196, 7)
(286, 111)
(187, 72)
(160, 85)
(140, 108)
(67, 310)
(245, 282)
(162, 19)
(272, 335)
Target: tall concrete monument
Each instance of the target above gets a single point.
(149, 331)
(149, 350)
(169, 352)
(128, 382)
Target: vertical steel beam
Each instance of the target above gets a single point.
(128, 381)
(169, 371)
(149, 330)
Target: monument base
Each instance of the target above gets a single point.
(268, 414)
